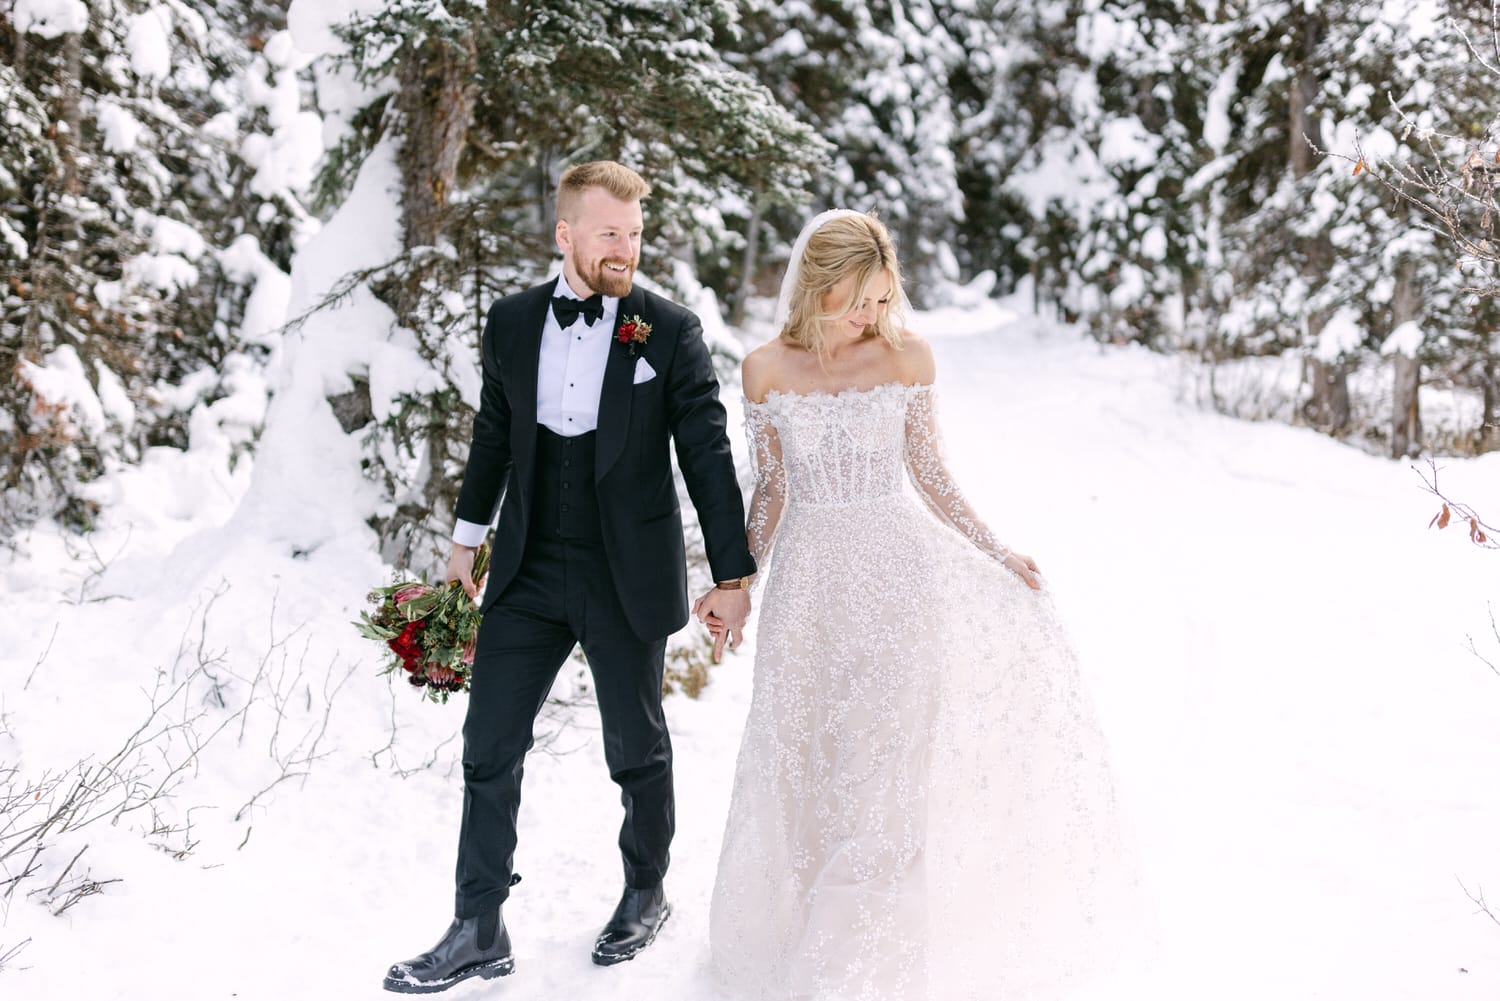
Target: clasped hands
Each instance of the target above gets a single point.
(724, 613)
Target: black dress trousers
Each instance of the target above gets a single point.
(563, 593)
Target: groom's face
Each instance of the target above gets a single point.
(601, 244)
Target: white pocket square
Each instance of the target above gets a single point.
(643, 371)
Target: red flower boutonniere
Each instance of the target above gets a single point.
(632, 332)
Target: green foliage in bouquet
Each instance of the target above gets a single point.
(429, 630)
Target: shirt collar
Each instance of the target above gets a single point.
(565, 291)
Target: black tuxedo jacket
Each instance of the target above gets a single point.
(642, 522)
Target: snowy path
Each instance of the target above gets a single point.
(1275, 642)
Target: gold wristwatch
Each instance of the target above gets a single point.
(743, 584)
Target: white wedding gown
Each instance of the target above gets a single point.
(922, 806)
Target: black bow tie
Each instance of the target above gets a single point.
(567, 309)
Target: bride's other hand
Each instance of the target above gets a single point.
(1025, 568)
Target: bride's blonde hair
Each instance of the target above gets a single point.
(856, 245)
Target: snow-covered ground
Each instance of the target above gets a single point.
(1275, 640)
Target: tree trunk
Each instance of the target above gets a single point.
(54, 254)
(436, 106)
(1305, 128)
(437, 103)
(747, 265)
(1406, 421)
(1489, 427)
(1329, 405)
(70, 111)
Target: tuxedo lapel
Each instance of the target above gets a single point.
(614, 396)
(526, 361)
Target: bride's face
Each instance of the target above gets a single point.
(853, 322)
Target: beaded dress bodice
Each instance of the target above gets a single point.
(853, 447)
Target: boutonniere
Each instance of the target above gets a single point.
(632, 332)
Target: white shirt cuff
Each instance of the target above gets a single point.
(468, 533)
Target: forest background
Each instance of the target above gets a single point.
(1212, 179)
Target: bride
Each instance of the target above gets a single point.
(922, 806)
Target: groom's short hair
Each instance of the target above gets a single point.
(616, 178)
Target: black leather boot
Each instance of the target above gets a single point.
(459, 956)
(634, 925)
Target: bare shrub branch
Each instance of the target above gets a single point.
(188, 708)
(1481, 533)
(96, 563)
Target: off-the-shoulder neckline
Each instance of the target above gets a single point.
(837, 394)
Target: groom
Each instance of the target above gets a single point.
(586, 378)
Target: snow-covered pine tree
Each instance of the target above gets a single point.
(1006, 98)
(126, 183)
(1432, 147)
(544, 85)
(1082, 131)
(1325, 262)
(875, 79)
(1143, 254)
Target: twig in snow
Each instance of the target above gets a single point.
(10, 954)
(38, 664)
(1478, 899)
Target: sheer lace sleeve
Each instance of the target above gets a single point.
(770, 482)
(924, 464)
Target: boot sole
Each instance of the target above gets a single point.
(615, 958)
(484, 971)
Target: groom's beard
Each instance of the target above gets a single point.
(601, 279)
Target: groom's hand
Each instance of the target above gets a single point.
(461, 569)
(724, 612)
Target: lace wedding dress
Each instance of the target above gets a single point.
(922, 807)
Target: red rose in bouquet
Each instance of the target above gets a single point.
(429, 631)
(407, 645)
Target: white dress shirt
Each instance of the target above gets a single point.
(570, 371)
(569, 379)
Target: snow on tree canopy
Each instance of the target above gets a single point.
(62, 382)
(122, 131)
(50, 18)
(1404, 340)
(150, 44)
(1341, 335)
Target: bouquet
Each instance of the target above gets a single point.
(429, 630)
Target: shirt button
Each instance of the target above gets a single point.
(565, 508)
(567, 463)
(565, 484)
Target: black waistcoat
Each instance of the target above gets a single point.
(565, 502)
